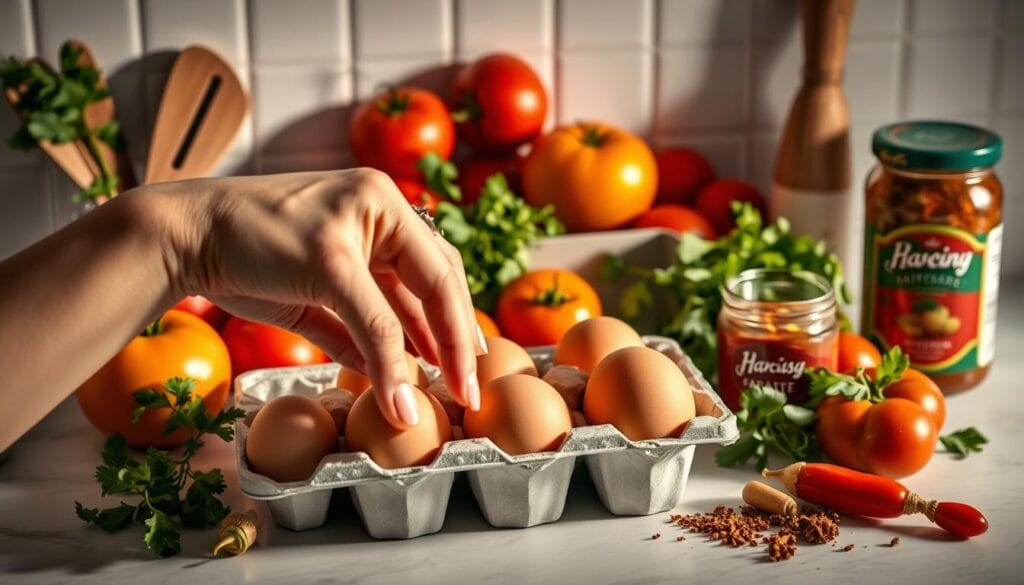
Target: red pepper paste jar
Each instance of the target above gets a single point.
(773, 326)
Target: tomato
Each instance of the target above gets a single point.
(839, 424)
(919, 388)
(184, 346)
(855, 351)
(487, 324)
(714, 202)
(203, 308)
(540, 306)
(394, 129)
(897, 438)
(682, 173)
(476, 169)
(416, 193)
(597, 177)
(500, 103)
(258, 345)
(678, 218)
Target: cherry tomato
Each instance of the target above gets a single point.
(487, 325)
(596, 176)
(682, 173)
(416, 193)
(394, 129)
(476, 169)
(500, 103)
(714, 202)
(897, 438)
(258, 345)
(540, 306)
(203, 308)
(855, 351)
(182, 346)
(677, 218)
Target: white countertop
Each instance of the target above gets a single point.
(41, 540)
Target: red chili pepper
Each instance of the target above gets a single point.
(863, 494)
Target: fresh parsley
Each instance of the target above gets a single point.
(963, 442)
(52, 108)
(701, 267)
(769, 422)
(158, 478)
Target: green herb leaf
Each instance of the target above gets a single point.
(146, 399)
(201, 508)
(441, 175)
(963, 442)
(162, 536)
(108, 519)
(768, 422)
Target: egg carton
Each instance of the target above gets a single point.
(632, 477)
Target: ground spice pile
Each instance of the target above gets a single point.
(748, 528)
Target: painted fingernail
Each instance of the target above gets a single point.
(405, 403)
(481, 339)
(473, 392)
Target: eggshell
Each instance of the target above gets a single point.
(366, 430)
(570, 382)
(503, 357)
(641, 392)
(454, 410)
(338, 403)
(288, 438)
(520, 414)
(357, 382)
(586, 343)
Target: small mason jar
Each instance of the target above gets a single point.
(774, 325)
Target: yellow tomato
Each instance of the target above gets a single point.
(598, 177)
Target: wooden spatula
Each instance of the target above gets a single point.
(202, 108)
(101, 113)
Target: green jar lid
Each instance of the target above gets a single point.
(936, 145)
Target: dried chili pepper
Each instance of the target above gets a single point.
(863, 494)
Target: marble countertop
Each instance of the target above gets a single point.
(41, 540)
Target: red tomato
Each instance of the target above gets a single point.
(897, 438)
(682, 173)
(393, 130)
(714, 201)
(503, 103)
(476, 169)
(258, 345)
(416, 193)
(855, 351)
(540, 306)
(919, 388)
(838, 429)
(203, 308)
(676, 217)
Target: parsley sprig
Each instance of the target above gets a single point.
(158, 478)
(52, 107)
(700, 269)
(963, 442)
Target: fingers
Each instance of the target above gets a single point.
(410, 313)
(455, 259)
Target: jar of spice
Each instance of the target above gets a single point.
(933, 235)
(773, 326)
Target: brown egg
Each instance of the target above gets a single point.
(366, 430)
(641, 392)
(288, 438)
(356, 382)
(520, 414)
(338, 403)
(586, 343)
(503, 357)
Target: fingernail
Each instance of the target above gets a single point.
(473, 390)
(405, 404)
(481, 339)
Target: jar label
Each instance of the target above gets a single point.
(932, 291)
(772, 363)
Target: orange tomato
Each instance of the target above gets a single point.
(855, 351)
(186, 346)
(540, 306)
(678, 218)
(487, 325)
(596, 176)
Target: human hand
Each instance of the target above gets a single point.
(340, 258)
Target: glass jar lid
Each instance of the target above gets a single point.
(936, 145)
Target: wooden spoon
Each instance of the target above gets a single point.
(101, 113)
(201, 111)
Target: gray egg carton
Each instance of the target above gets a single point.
(632, 477)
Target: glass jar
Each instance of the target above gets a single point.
(774, 325)
(932, 241)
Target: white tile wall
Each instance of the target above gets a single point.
(716, 75)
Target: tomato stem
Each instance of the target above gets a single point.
(154, 328)
(592, 136)
(470, 109)
(395, 104)
(552, 296)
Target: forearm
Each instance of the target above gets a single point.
(73, 300)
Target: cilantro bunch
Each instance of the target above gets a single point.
(701, 267)
(52, 106)
(159, 477)
(492, 235)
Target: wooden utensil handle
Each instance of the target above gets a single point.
(826, 29)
